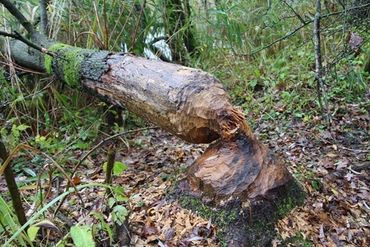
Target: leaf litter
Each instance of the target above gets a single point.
(332, 165)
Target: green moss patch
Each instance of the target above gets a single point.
(66, 63)
(221, 217)
(297, 240)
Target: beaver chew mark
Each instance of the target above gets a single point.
(240, 166)
(203, 135)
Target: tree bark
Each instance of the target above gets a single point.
(187, 102)
(12, 186)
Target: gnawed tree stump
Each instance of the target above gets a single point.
(243, 188)
(244, 222)
(235, 174)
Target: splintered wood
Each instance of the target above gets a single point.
(239, 167)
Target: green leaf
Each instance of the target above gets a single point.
(104, 224)
(119, 214)
(315, 185)
(81, 145)
(298, 114)
(29, 171)
(119, 168)
(82, 236)
(253, 83)
(111, 202)
(32, 232)
(119, 194)
(22, 127)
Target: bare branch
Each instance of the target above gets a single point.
(18, 15)
(320, 83)
(317, 43)
(295, 12)
(291, 33)
(18, 36)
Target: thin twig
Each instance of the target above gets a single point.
(295, 12)
(110, 164)
(12, 186)
(355, 150)
(20, 68)
(291, 33)
(318, 62)
(95, 148)
(18, 15)
(70, 182)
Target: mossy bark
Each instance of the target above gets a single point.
(72, 64)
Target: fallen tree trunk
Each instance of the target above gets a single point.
(187, 102)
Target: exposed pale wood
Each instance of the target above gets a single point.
(187, 102)
(239, 167)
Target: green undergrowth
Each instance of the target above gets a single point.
(282, 86)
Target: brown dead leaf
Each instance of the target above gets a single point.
(149, 230)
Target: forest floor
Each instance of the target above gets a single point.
(332, 164)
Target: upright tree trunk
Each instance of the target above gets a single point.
(12, 186)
